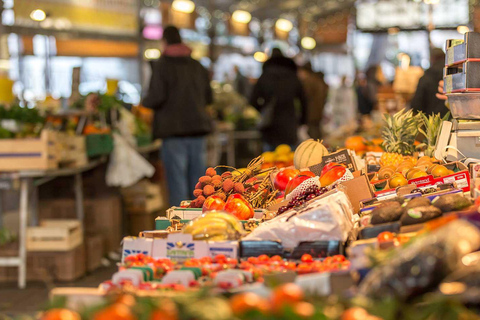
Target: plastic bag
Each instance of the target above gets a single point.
(126, 166)
(421, 266)
(328, 218)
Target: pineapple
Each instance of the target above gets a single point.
(398, 136)
(432, 125)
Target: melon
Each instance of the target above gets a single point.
(309, 153)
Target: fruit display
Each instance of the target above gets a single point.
(24, 122)
(430, 130)
(308, 153)
(309, 194)
(215, 226)
(253, 184)
(280, 158)
(283, 177)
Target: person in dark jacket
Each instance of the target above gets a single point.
(425, 99)
(279, 96)
(179, 93)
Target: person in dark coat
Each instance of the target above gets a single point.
(425, 99)
(179, 93)
(279, 96)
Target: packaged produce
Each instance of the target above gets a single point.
(422, 265)
(215, 226)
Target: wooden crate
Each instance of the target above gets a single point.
(94, 251)
(140, 222)
(29, 154)
(143, 198)
(72, 150)
(55, 235)
(50, 266)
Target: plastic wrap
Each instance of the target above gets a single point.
(328, 218)
(421, 266)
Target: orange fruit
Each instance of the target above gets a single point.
(60, 314)
(248, 301)
(356, 143)
(355, 313)
(117, 311)
(304, 309)
(286, 294)
(397, 180)
(419, 174)
(167, 311)
(440, 171)
(411, 172)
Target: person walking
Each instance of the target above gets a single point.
(179, 93)
(425, 99)
(316, 91)
(279, 96)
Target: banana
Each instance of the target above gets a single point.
(234, 222)
(211, 229)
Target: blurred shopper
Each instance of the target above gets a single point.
(179, 92)
(316, 92)
(425, 98)
(342, 110)
(279, 96)
(240, 83)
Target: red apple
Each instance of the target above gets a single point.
(332, 175)
(283, 177)
(329, 166)
(213, 203)
(239, 207)
(295, 182)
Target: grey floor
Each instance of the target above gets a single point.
(16, 302)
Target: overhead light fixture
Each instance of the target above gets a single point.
(393, 31)
(463, 29)
(185, 6)
(152, 54)
(308, 43)
(284, 25)
(260, 56)
(241, 16)
(38, 15)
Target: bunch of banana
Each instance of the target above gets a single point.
(215, 226)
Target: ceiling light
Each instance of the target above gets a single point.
(152, 54)
(38, 15)
(284, 25)
(185, 6)
(308, 43)
(260, 56)
(463, 29)
(241, 16)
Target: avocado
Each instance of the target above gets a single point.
(451, 202)
(416, 202)
(419, 215)
(388, 211)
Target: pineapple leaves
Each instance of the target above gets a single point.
(400, 131)
(430, 129)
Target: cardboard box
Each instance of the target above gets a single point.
(358, 189)
(94, 250)
(143, 198)
(137, 223)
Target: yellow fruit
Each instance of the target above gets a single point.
(451, 172)
(411, 172)
(238, 172)
(283, 158)
(397, 181)
(309, 153)
(385, 173)
(440, 171)
(419, 174)
(410, 159)
(283, 149)
(403, 168)
(391, 159)
(430, 168)
(268, 157)
(424, 166)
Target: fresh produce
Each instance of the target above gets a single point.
(283, 177)
(332, 174)
(253, 183)
(309, 194)
(309, 153)
(60, 314)
(282, 157)
(419, 215)
(385, 236)
(397, 180)
(295, 182)
(387, 211)
(416, 202)
(28, 123)
(399, 133)
(214, 226)
(213, 203)
(239, 207)
(451, 202)
(431, 130)
(356, 143)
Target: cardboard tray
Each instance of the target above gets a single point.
(459, 51)
(462, 78)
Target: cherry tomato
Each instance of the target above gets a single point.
(276, 258)
(253, 260)
(327, 261)
(385, 236)
(304, 268)
(263, 258)
(338, 258)
(307, 258)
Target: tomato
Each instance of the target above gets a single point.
(239, 207)
(385, 236)
(338, 258)
(327, 261)
(286, 294)
(248, 301)
(60, 314)
(290, 266)
(253, 260)
(345, 265)
(126, 299)
(206, 260)
(116, 311)
(304, 268)
(219, 257)
(307, 258)
(276, 258)
(263, 258)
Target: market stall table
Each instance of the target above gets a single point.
(29, 181)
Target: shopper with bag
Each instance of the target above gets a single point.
(279, 97)
(179, 93)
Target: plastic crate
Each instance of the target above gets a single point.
(99, 145)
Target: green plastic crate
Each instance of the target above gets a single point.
(144, 140)
(99, 145)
